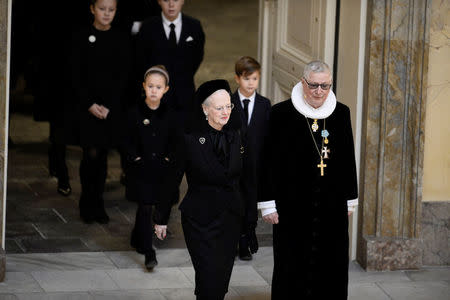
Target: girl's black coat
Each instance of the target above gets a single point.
(99, 73)
(148, 136)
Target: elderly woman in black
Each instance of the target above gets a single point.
(209, 152)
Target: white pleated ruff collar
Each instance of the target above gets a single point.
(307, 110)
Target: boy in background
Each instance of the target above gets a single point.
(254, 110)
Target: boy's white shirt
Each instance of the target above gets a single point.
(178, 24)
(251, 104)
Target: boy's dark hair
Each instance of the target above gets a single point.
(246, 65)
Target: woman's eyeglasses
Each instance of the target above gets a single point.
(227, 107)
(314, 86)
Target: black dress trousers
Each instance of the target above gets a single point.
(142, 234)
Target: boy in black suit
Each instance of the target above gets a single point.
(254, 110)
(176, 41)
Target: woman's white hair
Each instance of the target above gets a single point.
(316, 66)
(207, 101)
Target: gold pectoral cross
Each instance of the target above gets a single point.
(321, 166)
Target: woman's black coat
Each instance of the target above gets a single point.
(148, 136)
(212, 187)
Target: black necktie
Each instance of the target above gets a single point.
(172, 36)
(246, 102)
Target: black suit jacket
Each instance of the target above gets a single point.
(130, 11)
(212, 188)
(253, 136)
(182, 62)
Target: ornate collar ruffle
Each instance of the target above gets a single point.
(307, 110)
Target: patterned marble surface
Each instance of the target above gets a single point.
(3, 103)
(384, 254)
(394, 115)
(2, 264)
(436, 233)
(395, 105)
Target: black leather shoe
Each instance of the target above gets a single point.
(123, 179)
(87, 218)
(64, 188)
(244, 252)
(101, 217)
(150, 260)
(52, 172)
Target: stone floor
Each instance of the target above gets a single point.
(120, 275)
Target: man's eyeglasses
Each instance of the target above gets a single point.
(227, 107)
(314, 86)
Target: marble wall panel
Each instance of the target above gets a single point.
(3, 99)
(436, 233)
(394, 109)
(390, 254)
(392, 159)
(2, 265)
(4, 18)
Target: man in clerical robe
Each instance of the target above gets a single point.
(309, 189)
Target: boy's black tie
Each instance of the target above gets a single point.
(246, 102)
(172, 36)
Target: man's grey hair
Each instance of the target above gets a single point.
(316, 66)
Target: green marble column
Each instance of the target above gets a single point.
(392, 154)
(4, 84)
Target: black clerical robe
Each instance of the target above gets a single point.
(311, 240)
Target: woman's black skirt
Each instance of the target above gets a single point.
(212, 248)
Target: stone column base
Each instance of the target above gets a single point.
(389, 254)
(436, 233)
(2, 264)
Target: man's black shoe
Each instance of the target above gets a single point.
(101, 217)
(64, 188)
(87, 218)
(150, 260)
(244, 252)
(123, 179)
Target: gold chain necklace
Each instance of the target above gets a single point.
(321, 165)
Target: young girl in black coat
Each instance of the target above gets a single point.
(147, 147)
(100, 60)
